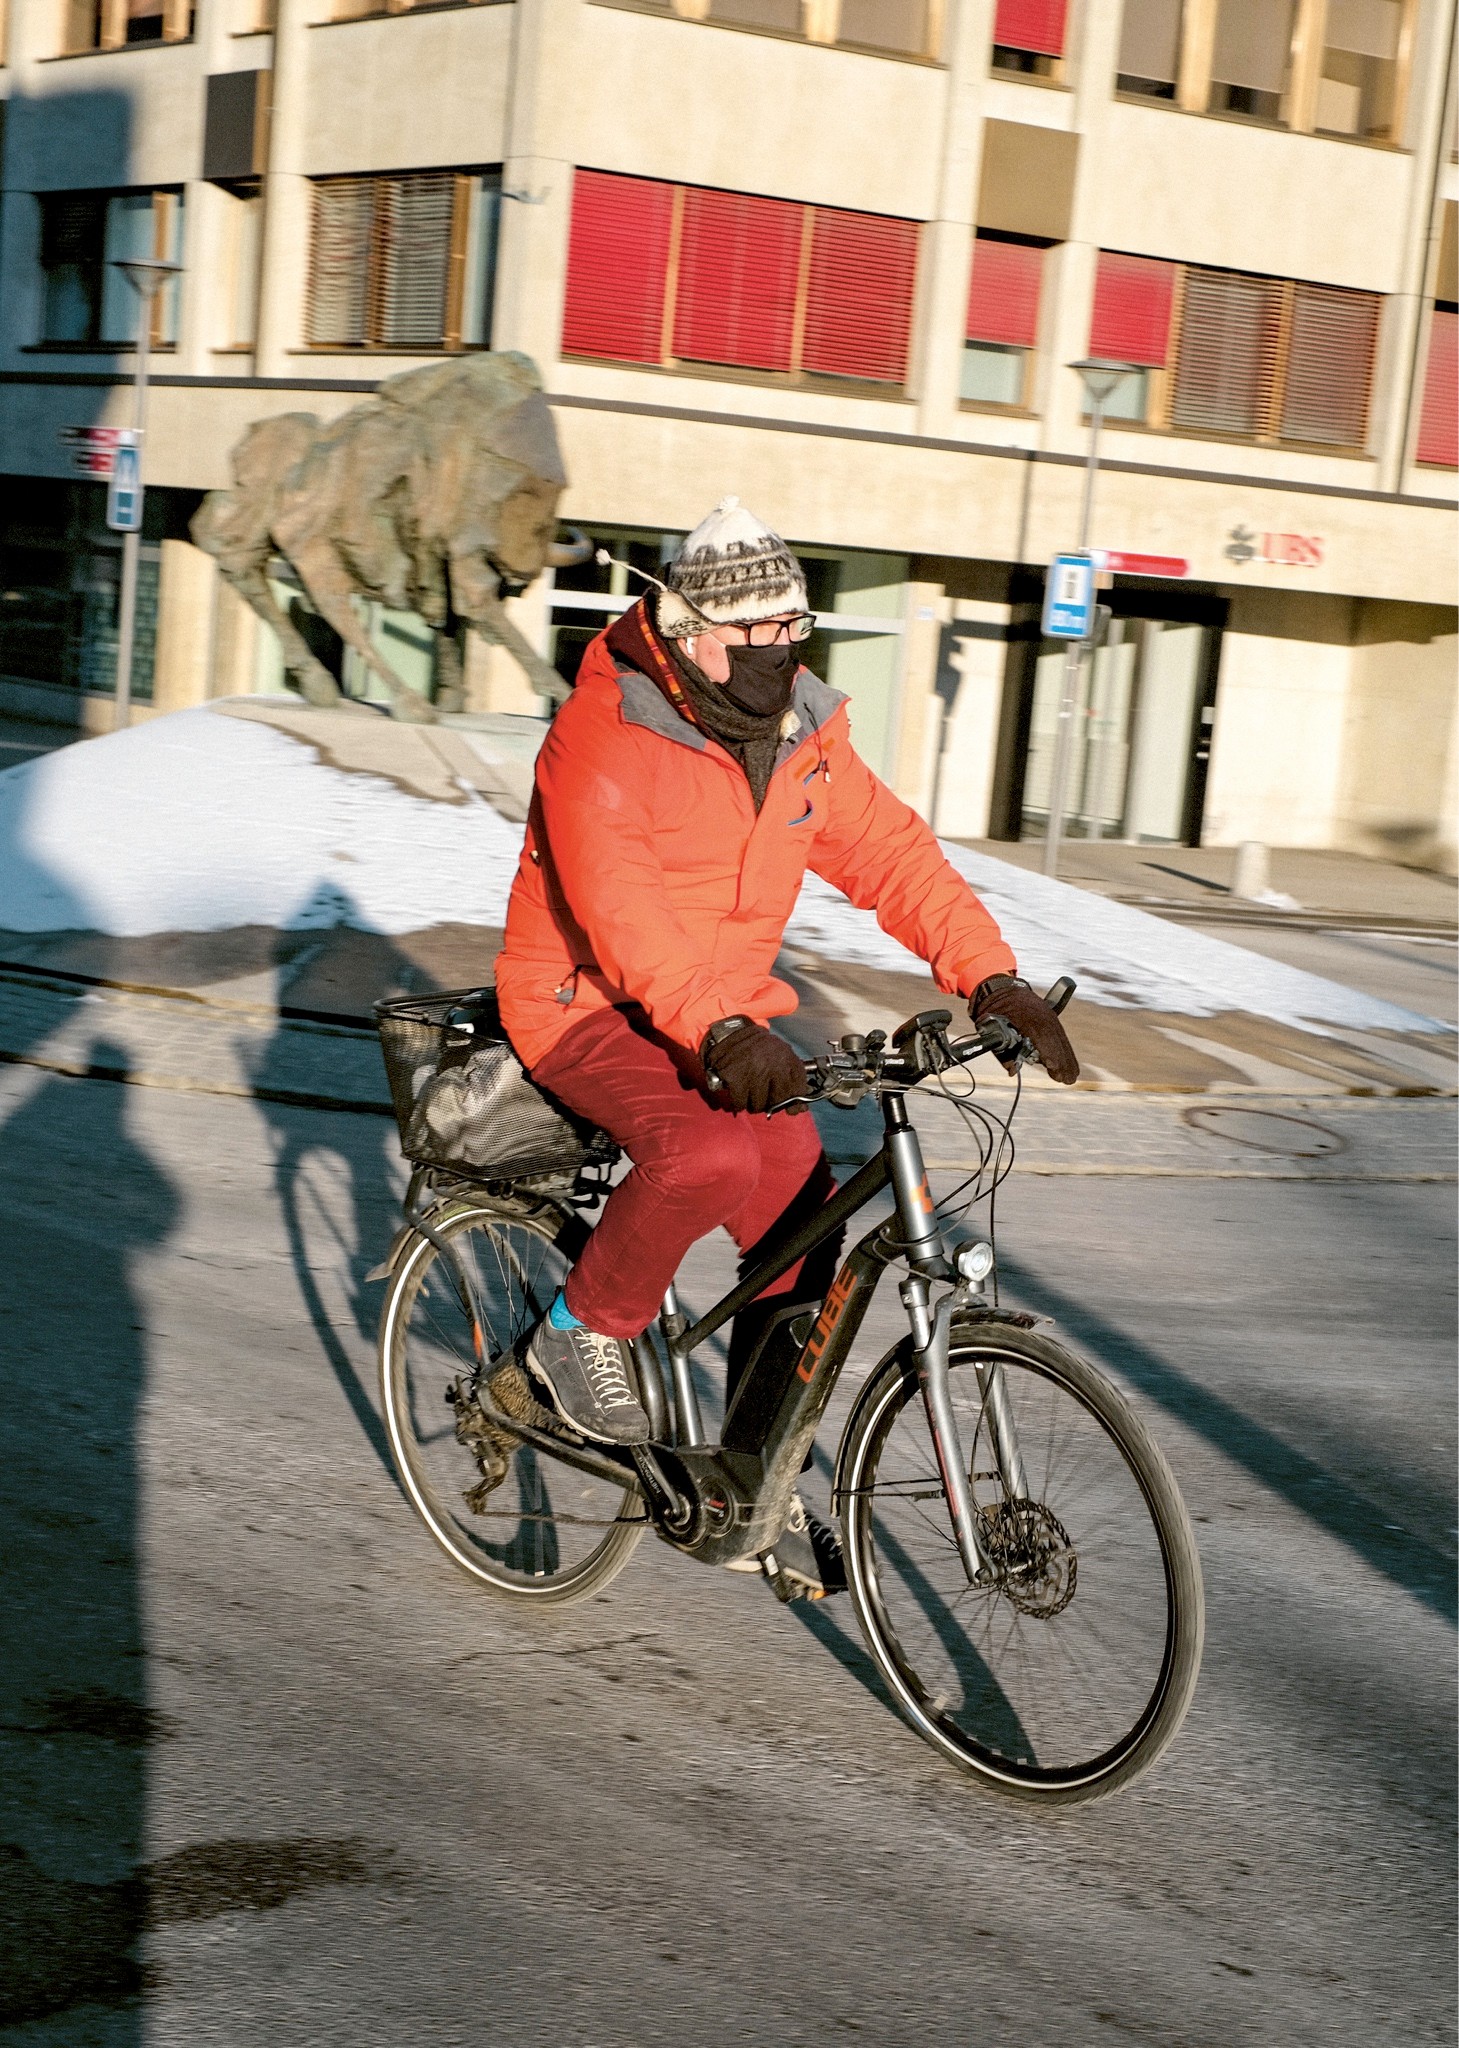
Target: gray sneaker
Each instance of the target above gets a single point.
(589, 1381)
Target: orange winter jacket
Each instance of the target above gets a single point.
(647, 876)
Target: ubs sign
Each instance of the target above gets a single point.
(1281, 550)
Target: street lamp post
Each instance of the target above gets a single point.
(147, 277)
(1101, 380)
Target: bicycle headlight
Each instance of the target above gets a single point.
(973, 1261)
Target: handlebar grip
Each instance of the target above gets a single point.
(1059, 995)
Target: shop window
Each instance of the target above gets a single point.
(1002, 322)
(1028, 37)
(404, 263)
(1438, 433)
(673, 274)
(114, 24)
(87, 301)
(1357, 91)
(1149, 59)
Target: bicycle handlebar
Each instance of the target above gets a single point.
(860, 1065)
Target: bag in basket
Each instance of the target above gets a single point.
(462, 1097)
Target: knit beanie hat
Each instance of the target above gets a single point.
(731, 567)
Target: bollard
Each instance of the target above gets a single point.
(1253, 874)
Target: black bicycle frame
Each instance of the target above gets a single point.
(730, 1500)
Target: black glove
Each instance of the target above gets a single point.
(755, 1069)
(1003, 995)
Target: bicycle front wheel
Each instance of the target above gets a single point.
(1069, 1673)
(518, 1521)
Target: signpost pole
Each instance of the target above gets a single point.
(1100, 380)
(132, 538)
(147, 278)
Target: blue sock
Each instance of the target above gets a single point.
(561, 1316)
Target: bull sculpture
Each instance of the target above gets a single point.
(437, 496)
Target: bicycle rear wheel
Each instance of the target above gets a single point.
(1069, 1675)
(518, 1521)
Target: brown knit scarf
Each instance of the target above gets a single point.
(752, 738)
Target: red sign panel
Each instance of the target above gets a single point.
(1141, 565)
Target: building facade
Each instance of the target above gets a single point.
(835, 256)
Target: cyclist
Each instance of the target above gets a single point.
(694, 774)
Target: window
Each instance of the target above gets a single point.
(1149, 59)
(1438, 433)
(1251, 58)
(1358, 88)
(1028, 36)
(404, 263)
(113, 24)
(87, 301)
(360, 10)
(896, 28)
(1253, 358)
(1003, 318)
(1330, 67)
(671, 274)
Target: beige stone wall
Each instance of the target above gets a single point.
(1336, 727)
(1398, 791)
(185, 596)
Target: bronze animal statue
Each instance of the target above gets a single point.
(438, 495)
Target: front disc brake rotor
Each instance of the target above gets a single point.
(1030, 1550)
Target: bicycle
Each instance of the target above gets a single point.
(1019, 1558)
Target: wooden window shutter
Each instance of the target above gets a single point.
(1003, 302)
(1438, 433)
(739, 265)
(858, 314)
(617, 264)
(339, 271)
(1132, 301)
(901, 25)
(413, 241)
(1334, 337)
(1229, 346)
(1036, 25)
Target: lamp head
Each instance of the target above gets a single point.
(1102, 377)
(147, 274)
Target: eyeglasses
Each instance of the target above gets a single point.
(768, 632)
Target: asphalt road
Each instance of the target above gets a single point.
(270, 1772)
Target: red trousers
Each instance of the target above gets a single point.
(694, 1167)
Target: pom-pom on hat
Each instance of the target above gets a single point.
(731, 567)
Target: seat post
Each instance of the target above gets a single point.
(688, 1421)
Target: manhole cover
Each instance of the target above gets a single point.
(1265, 1130)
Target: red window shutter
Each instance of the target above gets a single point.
(617, 261)
(1131, 319)
(859, 296)
(1031, 25)
(739, 262)
(1438, 433)
(1003, 304)
(1334, 338)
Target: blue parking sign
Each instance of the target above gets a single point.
(124, 497)
(1069, 598)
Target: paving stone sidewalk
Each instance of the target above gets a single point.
(168, 1042)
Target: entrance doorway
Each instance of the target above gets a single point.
(1142, 729)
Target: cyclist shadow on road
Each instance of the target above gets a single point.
(82, 1203)
(339, 1177)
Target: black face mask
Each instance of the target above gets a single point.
(762, 678)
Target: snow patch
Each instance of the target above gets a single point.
(199, 822)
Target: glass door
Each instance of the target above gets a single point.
(1138, 737)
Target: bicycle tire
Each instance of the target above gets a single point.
(555, 1553)
(975, 1670)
